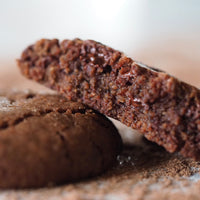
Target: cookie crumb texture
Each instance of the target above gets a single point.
(164, 109)
(47, 140)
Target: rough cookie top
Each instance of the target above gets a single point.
(65, 141)
(164, 109)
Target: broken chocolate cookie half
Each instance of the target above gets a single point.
(163, 108)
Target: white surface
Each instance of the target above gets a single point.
(129, 135)
(122, 24)
(114, 22)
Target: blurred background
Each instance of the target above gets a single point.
(165, 34)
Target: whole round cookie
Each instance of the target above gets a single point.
(46, 140)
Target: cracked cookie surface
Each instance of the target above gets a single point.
(45, 140)
(164, 109)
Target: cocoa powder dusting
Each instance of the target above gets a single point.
(140, 173)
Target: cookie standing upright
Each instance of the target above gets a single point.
(45, 140)
(164, 109)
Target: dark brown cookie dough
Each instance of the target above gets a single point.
(46, 140)
(164, 109)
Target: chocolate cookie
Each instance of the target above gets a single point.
(148, 173)
(45, 140)
(164, 109)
